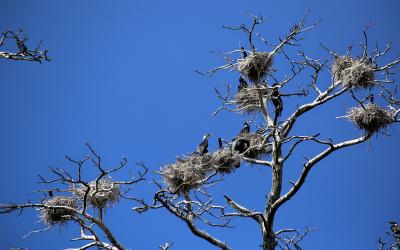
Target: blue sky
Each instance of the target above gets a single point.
(122, 79)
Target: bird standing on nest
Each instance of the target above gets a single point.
(242, 84)
(371, 98)
(244, 53)
(245, 130)
(395, 228)
(220, 143)
(203, 146)
(277, 100)
(240, 143)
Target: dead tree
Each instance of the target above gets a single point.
(184, 190)
(70, 198)
(16, 43)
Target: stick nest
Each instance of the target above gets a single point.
(226, 160)
(103, 194)
(354, 73)
(247, 99)
(256, 65)
(52, 216)
(256, 148)
(186, 174)
(371, 117)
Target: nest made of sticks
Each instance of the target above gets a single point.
(371, 117)
(101, 194)
(187, 173)
(354, 73)
(256, 148)
(247, 99)
(256, 65)
(226, 160)
(52, 216)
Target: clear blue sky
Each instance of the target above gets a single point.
(122, 79)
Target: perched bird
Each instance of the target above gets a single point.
(242, 84)
(220, 143)
(395, 228)
(245, 130)
(241, 144)
(277, 100)
(371, 98)
(51, 193)
(244, 53)
(203, 146)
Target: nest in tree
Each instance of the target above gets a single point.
(256, 148)
(226, 160)
(371, 117)
(52, 216)
(247, 99)
(186, 174)
(352, 72)
(101, 194)
(256, 65)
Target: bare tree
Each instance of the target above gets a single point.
(22, 51)
(262, 94)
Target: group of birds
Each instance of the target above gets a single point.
(275, 95)
(240, 143)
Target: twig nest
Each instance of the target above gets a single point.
(101, 194)
(52, 216)
(354, 73)
(256, 148)
(256, 65)
(247, 99)
(186, 174)
(226, 160)
(371, 117)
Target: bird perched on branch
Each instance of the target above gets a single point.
(240, 143)
(203, 146)
(277, 100)
(220, 143)
(242, 84)
(371, 98)
(395, 228)
(244, 53)
(245, 130)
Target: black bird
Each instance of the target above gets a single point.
(371, 98)
(277, 100)
(395, 228)
(220, 143)
(203, 146)
(245, 130)
(244, 53)
(242, 84)
(241, 144)
(51, 193)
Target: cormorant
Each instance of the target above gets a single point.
(277, 100)
(51, 193)
(241, 144)
(395, 228)
(245, 130)
(220, 143)
(203, 146)
(242, 84)
(371, 98)
(244, 53)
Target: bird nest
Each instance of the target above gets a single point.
(352, 72)
(247, 99)
(101, 194)
(371, 117)
(226, 160)
(256, 65)
(52, 216)
(256, 148)
(186, 174)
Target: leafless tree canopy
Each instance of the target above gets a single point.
(183, 186)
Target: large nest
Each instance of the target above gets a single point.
(101, 194)
(354, 73)
(247, 99)
(256, 65)
(370, 118)
(226, 160)
(256, 148)
(52, 216)
(186, 174)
